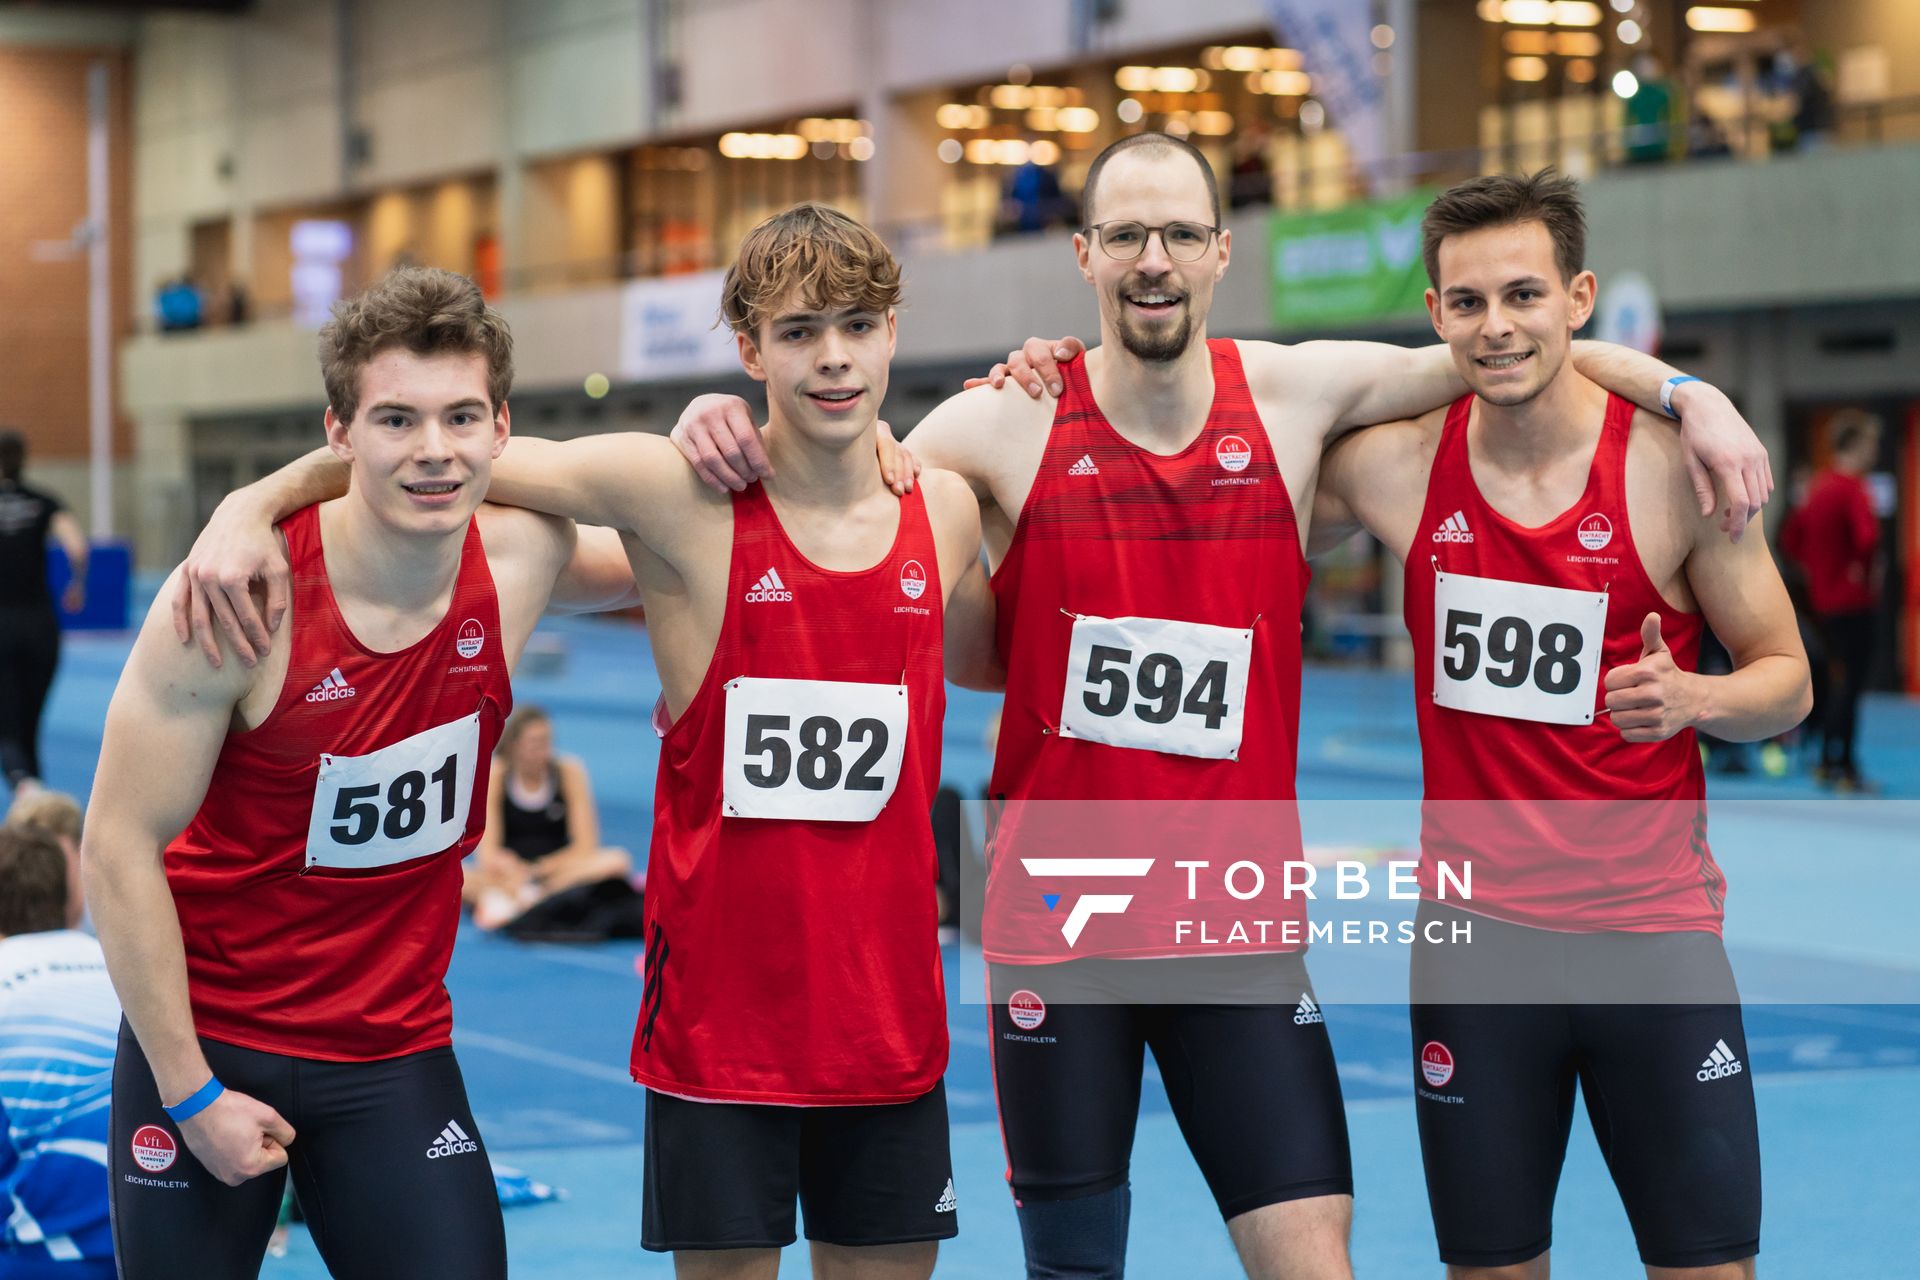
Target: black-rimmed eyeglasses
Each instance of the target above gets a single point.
(1125, 241)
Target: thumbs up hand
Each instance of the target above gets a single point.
(1653, 699)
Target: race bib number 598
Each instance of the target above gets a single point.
(1515, 649)
(1154, 684)
(404, 801)
(812, 750)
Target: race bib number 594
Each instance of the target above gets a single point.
(401, 802)
(1154, 684)
(1515, 649)
(812, 750)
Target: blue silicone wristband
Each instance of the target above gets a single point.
(196, 1102)
(1667, 390)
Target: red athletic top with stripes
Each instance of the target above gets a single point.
(1113, 531)
(290, 947)
(1567, 826)
(790, 960)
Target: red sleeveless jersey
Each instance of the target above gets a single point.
(1566, 824)
(792, 951)
(318, 887)
(1149, 621)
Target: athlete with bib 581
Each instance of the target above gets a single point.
(1558, 579)
(273, 849)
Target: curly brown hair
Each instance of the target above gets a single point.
(836, 261)
(425, 310)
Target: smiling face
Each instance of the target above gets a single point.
(1153, 305)
(422, 439)
(825, 370)
(1504, 309)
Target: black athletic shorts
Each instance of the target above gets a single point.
(1666, 1086)
(725, 1175)
(1253, 1086)
(386, 1160)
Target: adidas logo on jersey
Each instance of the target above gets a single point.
(769, 589)
(1719, 1064)
(946, 1203)
(1454, 529)
(1308, 1011)
(453, 1141)
(1084, 467)
(332, 689)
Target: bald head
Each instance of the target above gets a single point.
(1161, 150)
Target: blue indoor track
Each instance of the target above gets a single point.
(543, 1031)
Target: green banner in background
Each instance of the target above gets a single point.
(1359, 262)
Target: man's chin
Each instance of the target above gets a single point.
(1157, 347)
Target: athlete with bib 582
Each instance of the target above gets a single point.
(799, 631)
(1558, 578)
(273, 850)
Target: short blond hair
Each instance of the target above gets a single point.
(54, 812)
(425, 310)
(835, 261)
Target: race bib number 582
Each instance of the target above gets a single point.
(1154, 684)
(404, 801)
(1515, 649)
(812, 750)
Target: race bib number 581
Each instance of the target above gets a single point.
(812, 750)
(1515, 649)
(401, 802)
(1154, 684)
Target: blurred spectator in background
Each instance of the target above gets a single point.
(543, 831)
(58, 1023)
(29, 625)
(1806, 78)
(179, 305)
(1252, 180)
(1649, 113)
(1833, 537)
(56, 814)
(1034, 201)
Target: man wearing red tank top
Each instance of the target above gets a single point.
(280, 960)
(1158, 502)
(1558, 577)
(799, 630)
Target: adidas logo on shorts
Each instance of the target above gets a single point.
(1307, 1012)
(769, 589)
(946, 1203)
(453, 1141)
(1719, 1064)
(1084, 467)
(1454, 529)
(332, 689)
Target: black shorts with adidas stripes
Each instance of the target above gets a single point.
(386, 1160)
(1242, 1048)
(1652, 1036)
(726, 1175)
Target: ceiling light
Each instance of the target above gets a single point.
(1713, 18)
(1526, 69)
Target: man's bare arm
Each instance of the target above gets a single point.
(170, 708)
(1743, 600)
(238, 548)
(73, 540)
(597, 576)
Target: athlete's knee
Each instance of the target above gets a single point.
(875, 1262)
(1532, 1269)
(1741, 1270)
(1302, 1239)
(1084, 1238)
(726, 1264)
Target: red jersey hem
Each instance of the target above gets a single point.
(1142, 953)
(290, 1050)
(700, 1093)
(1528, 922)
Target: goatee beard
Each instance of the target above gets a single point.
(1157, 348)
